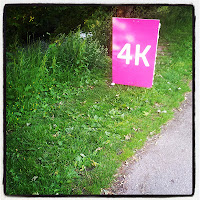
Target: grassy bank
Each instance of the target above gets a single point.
(67, 128)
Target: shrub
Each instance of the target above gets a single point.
(75, 56)
(33, 70)
(100, 24)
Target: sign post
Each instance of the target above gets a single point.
(134, 45)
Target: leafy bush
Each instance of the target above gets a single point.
(33, 70)
(100, 24)
(75, 55)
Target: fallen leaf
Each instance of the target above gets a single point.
(83, 167)
(108, 141)
(98, 149)
(145, 113)
(94, 163)
(127, 137)
(34, 178)
(56, 173)
(152, 133)
(57, 134)
(35, 193)
(157, 105)
(126, 163)
(135, 129)
(107, 133)
(164, 111)
(83, 102)
(104, 191)
(28, 124)
(61, 103)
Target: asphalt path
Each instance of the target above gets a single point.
(164, 165)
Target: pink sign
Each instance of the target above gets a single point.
(134, 47)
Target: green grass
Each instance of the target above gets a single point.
(67, 129)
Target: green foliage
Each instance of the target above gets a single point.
(70, 60)
(177, 27)
(71, 17)
(179, 15)
(27, 23)
(146, 12)
(77, 52)
(100, 25)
